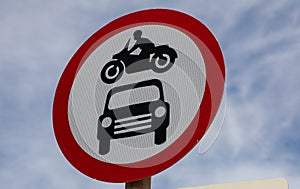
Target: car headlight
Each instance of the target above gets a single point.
(160, 111)
(106, 122)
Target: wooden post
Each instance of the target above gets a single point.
(139, 184)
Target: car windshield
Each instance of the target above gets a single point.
(134, 96)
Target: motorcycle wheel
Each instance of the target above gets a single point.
(163, 62)
(112, 71)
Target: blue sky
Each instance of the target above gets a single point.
(260, 136)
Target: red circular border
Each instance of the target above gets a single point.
(214, 63)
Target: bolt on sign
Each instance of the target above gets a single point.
(138, 95)
(277, 183)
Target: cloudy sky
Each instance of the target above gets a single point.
(260, 136)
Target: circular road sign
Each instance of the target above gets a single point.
(138, 95)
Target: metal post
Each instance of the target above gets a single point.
(139, 184)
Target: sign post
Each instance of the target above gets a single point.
(140, 184)
(138, 95)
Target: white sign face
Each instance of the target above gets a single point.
(278, 183)
(92, 96)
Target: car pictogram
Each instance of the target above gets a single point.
(148, 113)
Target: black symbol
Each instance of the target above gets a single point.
(134, 119)
(142, 56)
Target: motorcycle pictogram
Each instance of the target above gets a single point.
(158, 58)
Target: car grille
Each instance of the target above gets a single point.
(134, 123)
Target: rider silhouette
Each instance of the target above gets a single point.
(144, 44)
